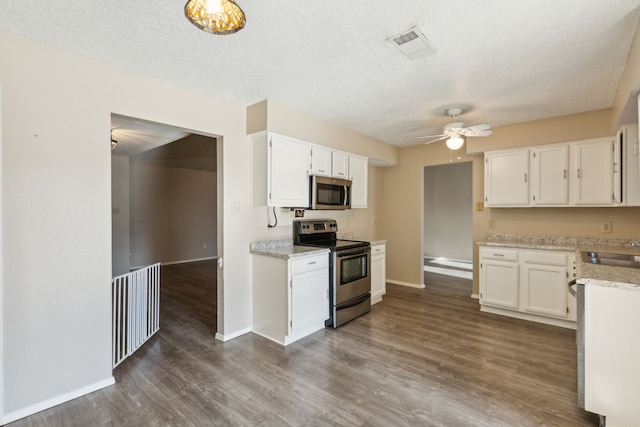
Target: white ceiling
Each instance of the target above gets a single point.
(503, 61)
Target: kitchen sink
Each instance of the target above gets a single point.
(613, 259)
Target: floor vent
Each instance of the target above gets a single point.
(412, 43)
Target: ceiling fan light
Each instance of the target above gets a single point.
(455, 142)
(215, 16)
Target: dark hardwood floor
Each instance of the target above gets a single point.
(422, 357)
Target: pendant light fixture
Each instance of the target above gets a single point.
(215, 16)
(455, 142)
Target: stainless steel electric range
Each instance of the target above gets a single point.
(349, 268)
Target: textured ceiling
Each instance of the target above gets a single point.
(503, 61)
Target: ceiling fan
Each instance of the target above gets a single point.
(456, 130)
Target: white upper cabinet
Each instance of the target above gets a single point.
(359, 181)
(580, 173)
(328, 162)
(627, 139)
(506, 178)
(340, 164)
(592, 172)
(280, 169)
(549, 175)
(320, 160)
(288, 177)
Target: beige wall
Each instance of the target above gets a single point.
(356, 223)
(56, 214)
(269, 115)
(401, 224)
(173, 214)
(403, 208)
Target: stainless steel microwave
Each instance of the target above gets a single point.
(330, 193)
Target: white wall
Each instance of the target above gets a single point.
(120, 217)
(448, 201)
(56, 213)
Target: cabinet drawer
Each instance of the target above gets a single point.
(545, 258)
(309, 263)
(377, 251)
(499, 253)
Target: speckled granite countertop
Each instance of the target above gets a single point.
(284, 249)
(609, 284)
(377, 242)
(605, 275)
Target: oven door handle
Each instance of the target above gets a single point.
(352, 253)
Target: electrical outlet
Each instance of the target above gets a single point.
(492, 223)
(479, 207)
(605, 227)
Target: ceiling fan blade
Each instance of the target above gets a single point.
(437, 139)
(481, 126)
(477, 130)
(441, 135)
(479, 133)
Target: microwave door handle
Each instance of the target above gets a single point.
(346, 195)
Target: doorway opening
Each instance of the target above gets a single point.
(448, 226)
(165, 209)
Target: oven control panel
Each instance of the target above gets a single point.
(315, 226)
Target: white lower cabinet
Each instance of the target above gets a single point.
(290, 297)
(528, 284)
(309, 294)
(378, 272)
(499, 278)
(544, 284)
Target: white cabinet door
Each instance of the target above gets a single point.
(628, 136)
(592, 172)
(506, 179)
(378, 272)
(288, 172)
(309, 298)
(499, 283)
(359, 177)
(340, 164)
(320, 160)
(545, 289)
(549, 175)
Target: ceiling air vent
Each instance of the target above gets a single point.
(412, 43)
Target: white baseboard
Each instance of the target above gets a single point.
(228, 337)
(189, 260)
(57, 400)
(475, 296)
(407, 284)
(376, 297)
(569, 324)
(449, 259)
